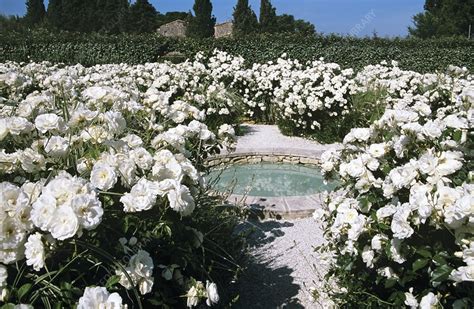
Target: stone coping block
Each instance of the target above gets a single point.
(287, 207)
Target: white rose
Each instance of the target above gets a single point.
(453, 121)
(192, 297)
(34, 252)
(377, 241)
(19, 125)
(449, 163)
(362, 134)
(377, 150)
(433, 129)
(463, 273)
(180, 199)
(400, 226)
(4, 128)
(212, 294)
(427, 163)
(88, 209)
(403, 176)
(49, 122)
(3, 275)
(368, 257)
(410, 300)
(386, 211)
(356, 168)
(142, 158)
(65, 224)
(142, 196)
(32, 161)
(103, 176)
(429, 301)
(56, 146)
(420, 198)
(99, 297)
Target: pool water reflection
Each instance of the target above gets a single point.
(269, 180)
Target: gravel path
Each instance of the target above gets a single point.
(268, 139)
(283, 266)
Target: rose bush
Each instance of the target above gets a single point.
(403, 222)
(102, 198)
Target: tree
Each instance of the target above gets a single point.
(11, 24)
(142, 17)
(171, 16)
(79, 15)
(201, 25)
(245, 20)
(443, 18)
(304, 27)
(35, 12)
(55, 16)
(268, 17)
(111, 15)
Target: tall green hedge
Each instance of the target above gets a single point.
(70, 48)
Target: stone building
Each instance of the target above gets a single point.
(224, 30)
(175, 28)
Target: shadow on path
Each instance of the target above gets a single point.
(264, 285)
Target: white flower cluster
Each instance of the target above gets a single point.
(199, 291)
(99, 297)
(408, 172)
(72, 135)
(139, 272)
(299, 93)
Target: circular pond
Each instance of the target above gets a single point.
(269, 180)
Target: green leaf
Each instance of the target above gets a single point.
(390, 283)
(24, 289)
(424, 253)
(441, 273)
(438, 259)
(8, 306)
(113, 280)
(419, 264)
(457, 136)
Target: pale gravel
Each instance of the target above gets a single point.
(267, 138)
(283, 265)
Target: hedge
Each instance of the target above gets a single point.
(90, 49)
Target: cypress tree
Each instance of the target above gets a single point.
(79, 15)
(245, 20)
(201, 25)
(111, 15)
(55, 15)
(35, 12)
(142, 17)
(268, 18)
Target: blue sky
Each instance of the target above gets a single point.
(386, 17)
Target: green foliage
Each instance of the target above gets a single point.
(171, 16)
(268, 19)
(201, 25)
(55, 16)
(443, 18)
(78, 15)
(142, 17)
(111, 15)
(245, 20)
(287, 24)
(412, 54)
(35, 12)
(11, 24)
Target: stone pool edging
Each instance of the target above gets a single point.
(258, 157)
(287, 207)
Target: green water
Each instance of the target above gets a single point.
(269, 180)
